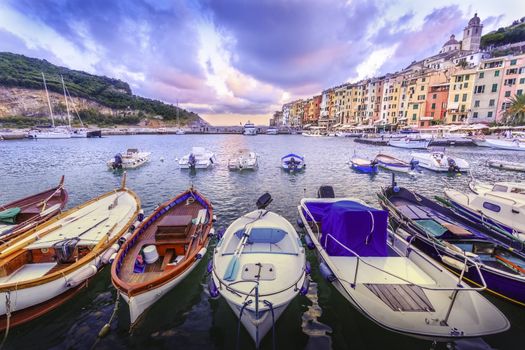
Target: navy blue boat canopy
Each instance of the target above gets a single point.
(361, 228)
(292, 155)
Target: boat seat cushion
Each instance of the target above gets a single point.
(263, 235)
(8, 216)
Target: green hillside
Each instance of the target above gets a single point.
(25, 72)
(508, 35)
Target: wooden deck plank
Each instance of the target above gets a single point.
(402, 297)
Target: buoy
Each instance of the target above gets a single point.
(161, 159)
(326, 272)
(212, 288)
(140, 217)
(201, 253)
(305, 286)
(307, 268)
(309, 243)
(300, 223)
(212, 231)
(214, 219)
(104, 331)
(81, 275)
(112, 258)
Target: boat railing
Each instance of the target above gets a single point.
(501, 197)
(307, 211)
(457, 288)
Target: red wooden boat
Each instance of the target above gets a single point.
(21, 215)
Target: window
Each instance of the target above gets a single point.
(467, 77)
(432, 114)
(507, 93)
(479, 89)
(522, 81)
(415, 106)
(491, 103)
(499, 188)
(519, 92)
(422, 87)
(465, 85)
(513, 62)
(423, 80)
(491, 207)
(481, 75)
(496, 73)
(475, 115)
(489, 115)
(494, 87)
(464, 98)
(434, 96)
(433, 106)
(476, 103)
(456, 98)
(512, 71)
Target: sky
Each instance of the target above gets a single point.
(238, 60)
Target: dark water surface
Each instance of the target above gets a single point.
(187, 318)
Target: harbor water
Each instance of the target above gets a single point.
(186, 318)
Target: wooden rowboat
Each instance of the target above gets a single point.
(45, 266)
(19, 216)
(162, 251)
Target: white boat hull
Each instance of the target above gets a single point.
(409, 144)
(138, 304)
(429, 162)
(509, 145)
(501, 164)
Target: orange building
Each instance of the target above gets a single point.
(436, 103)
(312, 110)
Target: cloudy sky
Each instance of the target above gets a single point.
(231, 61)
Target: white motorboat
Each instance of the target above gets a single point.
(131, 159)
(315, 131)
(391, 163)
(293, 162)
(79, 132)
(410, 143)
(511, 145)
(198, 158)
(49, 264)
(506, 165)
(440, 162)
(272, 131)
(258, 267)
(244, 160)
(501, 206)
(250, 129)
(390, 281)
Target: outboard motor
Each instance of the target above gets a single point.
(117, 162)
(292, 164)
(192, 161)
(264, 201)
(325, 192)
(414, 164)
(452, 166)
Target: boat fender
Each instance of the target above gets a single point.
(326, 272)
(209, 269)
(300, 223)
(214, 218)
(212, 288)
(307, 268)
(220, 233)
(81, 275)
(140, 217)
(124, 238)
(454, 263)
(108, 253)
(201, 253)
(396, 189)
(112, 258)
(305, 286)
(212, 232)
(309, 243)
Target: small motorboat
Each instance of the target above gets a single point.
(506, 165)
(198, 158)
(391, 163)
(162, 251)
(457, 243)
(510, 145)
(131, 159)
(272, 131)
(258, 267)
(410, 143)
(49, 264)
(502, 207)
(244, 160)
(387, 279)
(293, 162)
(437, 160)
(21, 215)
(363, 165)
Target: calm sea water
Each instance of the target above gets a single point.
(186, 317)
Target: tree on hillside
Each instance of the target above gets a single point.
(515, 114)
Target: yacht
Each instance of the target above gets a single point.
(250, 129)
(198, 158)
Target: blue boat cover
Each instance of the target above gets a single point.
(361, 228)
(292, 155)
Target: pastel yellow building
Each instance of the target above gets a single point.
(461, 89)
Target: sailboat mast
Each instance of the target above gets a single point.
(48, 101)
(65, 98)
(178, 121)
